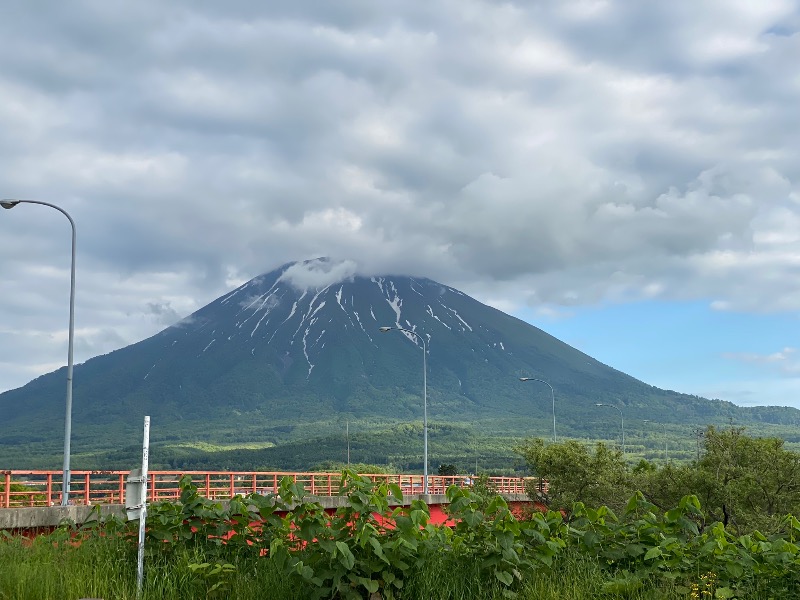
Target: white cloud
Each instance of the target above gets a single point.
(554, 154)
(319, 273)
(786, 360)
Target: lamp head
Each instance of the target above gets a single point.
(385, 329)
(9, 203)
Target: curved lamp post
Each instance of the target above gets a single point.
(666, 456)
(8, 204)
(552, 395)
(424, 399)
(619, 410)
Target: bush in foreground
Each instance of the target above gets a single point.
(285, 546)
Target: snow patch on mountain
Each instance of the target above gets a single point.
(264, 316)
(339, 300)
(431, 313)
(268, 302)
(392, 297)
(415, 290)
(305, 348)
(358, 318)
(452, 310)
(149, 371)
(291, 314)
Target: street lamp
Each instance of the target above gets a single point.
(552, 395)
(9, 204)
(424, 400)
(619, 410)
(666, 456)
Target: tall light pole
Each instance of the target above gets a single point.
(619, 410)
(666, 456)
(68, 421)
(424, 400)
(552, 395)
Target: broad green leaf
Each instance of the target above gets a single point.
(345, 555)
(504, 577)
(734, 569)
(653, 553)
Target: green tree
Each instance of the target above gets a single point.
(575, 473)
(448, 469)
(754, 481)
(744, 482)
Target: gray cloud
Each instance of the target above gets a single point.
(552, 154)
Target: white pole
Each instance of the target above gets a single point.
(424, 399)
(65, 480)
(143, 505)
(425, 405)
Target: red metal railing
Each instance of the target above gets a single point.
(43, 488)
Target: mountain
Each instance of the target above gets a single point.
(293, 354)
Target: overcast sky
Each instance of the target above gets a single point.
(623, 174)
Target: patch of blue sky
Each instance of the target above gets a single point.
(688, 347)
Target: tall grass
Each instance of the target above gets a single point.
(53, 568)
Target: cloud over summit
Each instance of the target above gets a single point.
(318, 273)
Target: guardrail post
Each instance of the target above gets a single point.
(7, 498)
(86, 497)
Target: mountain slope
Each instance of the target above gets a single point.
(291, 354)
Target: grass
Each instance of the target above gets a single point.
(219, 447)
(52, 568)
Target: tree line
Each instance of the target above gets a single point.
(744, 482)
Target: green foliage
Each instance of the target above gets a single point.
(27, 497)
(447, 469)
(647, 545)
(487, 533)
(744, 482)
(577, 474)
(216, 576)
(363, 548)
(373, 548)
(330, 466)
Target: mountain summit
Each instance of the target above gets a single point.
(293, 353)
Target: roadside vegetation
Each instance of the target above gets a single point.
(724, 539)
(744, 482)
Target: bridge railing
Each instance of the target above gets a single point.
(20, 488)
